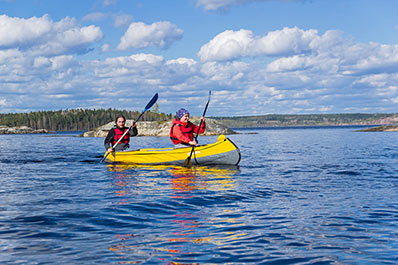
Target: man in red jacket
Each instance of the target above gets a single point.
(182, 130)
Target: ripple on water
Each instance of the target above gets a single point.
(299, 196)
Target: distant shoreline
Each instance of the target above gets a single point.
(86, 120)
(305, 127)
(369, 128)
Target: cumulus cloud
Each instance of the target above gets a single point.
(308, 72)
(230, 44)
(42, 36)
(290, 70)
(22, 32)
(140, 35)
(182, 61)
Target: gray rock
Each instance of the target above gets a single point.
(19, 130)
(156, 128)
(384, 128)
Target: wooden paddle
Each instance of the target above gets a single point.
(187, 162)
(147, 107)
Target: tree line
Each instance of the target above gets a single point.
(75, 119)
(271, 120)
(88, 119)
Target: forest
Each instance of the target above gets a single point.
(75, 119)
(88, 119)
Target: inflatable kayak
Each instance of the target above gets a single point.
(222, 152)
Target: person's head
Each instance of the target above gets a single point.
(120, 121)
(183, 115)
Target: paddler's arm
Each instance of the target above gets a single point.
(107, 141)
(203, 126)
(133, 131)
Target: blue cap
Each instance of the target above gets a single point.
(181, 112)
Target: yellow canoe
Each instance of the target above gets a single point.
(222, 152)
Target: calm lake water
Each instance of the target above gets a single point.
(299, 196)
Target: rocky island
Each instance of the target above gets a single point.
(161, 128)
(384, 128)
(19, 130)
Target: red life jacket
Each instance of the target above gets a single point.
(118, 135)
(187, 129)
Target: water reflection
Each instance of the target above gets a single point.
(183, 222)
(181, 179)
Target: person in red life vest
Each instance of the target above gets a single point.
(116, 133)
(182, 131)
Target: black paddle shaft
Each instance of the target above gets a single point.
(201, 121)
(187, 161)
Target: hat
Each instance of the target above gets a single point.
(181, 112)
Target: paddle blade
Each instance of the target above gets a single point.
(106, 155)
(150, 104)
(188, 162)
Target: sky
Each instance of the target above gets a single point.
(256, 56)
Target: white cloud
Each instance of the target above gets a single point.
(95, 16)
(123, 20)
(293, 63)
(375, 58)
(140, 35)
(133, 65)
(106, 47)
(148, 58)
(41, 62)
(226, 73)
(3, 102)
(110, 2)
(230, 45)
(7, 55)
(63, 62)
(212, 5)
(23, 32)
(226, 46)
(182, 61)
(42, 36)
(304, 72)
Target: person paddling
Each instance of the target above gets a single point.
(117, 132)
(182, 130)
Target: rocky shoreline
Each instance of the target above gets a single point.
(156, 128)
(384, 128)
(20, 130)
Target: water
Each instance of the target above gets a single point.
(299, 196)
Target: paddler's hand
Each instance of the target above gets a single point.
(110, 150)
(193, 143)
(133, 124)
(202, 118)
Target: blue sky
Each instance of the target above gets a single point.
(256, 56)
